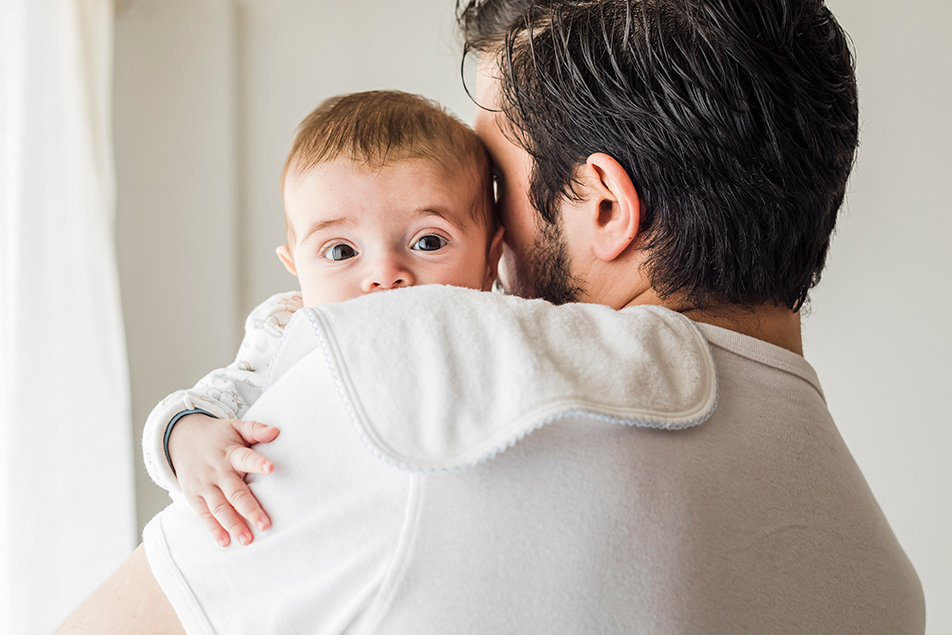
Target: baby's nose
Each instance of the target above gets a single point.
(388, 273)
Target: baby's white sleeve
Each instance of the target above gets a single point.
(227, 392)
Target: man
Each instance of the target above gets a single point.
(675, 154)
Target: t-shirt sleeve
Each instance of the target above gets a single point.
(226, 393)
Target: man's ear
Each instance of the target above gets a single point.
(493, 254)
(614, 205)
(287, 259)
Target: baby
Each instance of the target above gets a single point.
(381, 190)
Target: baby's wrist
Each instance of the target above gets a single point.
(168, 431)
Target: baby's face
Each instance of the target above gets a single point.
(359, 230)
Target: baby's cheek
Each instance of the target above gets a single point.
(325, 295)
(471, 273)
(321, 287)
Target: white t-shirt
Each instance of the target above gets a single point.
(590, 492)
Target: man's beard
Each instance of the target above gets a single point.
(546, 275)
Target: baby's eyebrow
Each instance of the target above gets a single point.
(326, 224)
(444, 214)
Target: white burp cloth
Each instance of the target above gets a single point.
(441, 378)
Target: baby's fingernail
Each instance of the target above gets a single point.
(261, 524)
(244, 539)
(223, 542)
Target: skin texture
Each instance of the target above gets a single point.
(129, 601)
(212, 457)
(359, 230)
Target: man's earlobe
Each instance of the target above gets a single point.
(493, 255)
(615, 207)
(284, 255)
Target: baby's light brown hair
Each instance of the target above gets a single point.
(379, 128)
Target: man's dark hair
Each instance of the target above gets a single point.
(737, 121)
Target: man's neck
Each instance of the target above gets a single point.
(775, 325)
(613, 284)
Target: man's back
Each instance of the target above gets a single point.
(756, 521)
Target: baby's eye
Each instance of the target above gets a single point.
(340, 251)
(430, 242)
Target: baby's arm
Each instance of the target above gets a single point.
(218, 401)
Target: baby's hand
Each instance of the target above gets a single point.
(211, 457)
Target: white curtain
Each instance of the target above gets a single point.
(67, 515)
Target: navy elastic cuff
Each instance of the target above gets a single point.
(168, 432)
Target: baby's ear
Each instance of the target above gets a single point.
(286, 258)
(492, 257)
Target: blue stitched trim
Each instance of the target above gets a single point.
(168, 432)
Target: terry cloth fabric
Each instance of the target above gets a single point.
(450, 376)
(756, 520)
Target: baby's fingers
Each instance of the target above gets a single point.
(246, 460)
(241, 498)
(226, 516)
(254, 432)
(208, 519)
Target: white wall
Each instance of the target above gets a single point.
(208, 93)
(176, 225)
(879, 332)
